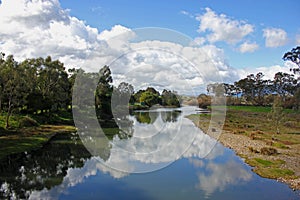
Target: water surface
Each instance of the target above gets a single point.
(65, 169)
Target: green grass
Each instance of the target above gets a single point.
(250, 120)
(57, 118)
(279, 145)
(259, 109)
(250, 108)
(28, 139)
(263, 162)
(270, 169)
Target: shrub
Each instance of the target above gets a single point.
(251, 149)
(204, 101)
(27, 122)
(290, 124)
(268, 151)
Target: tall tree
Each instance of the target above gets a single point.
(254, 88)
(284, 84)
(169, 98)
(15, 86)
(51, 90)
(294, 56)
(104, 91)
(149, 98)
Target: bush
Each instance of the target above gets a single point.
(268, 151)
(27, 122)
(204, 101)
(251, 149)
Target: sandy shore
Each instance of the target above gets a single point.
(242, 144)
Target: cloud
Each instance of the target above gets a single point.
(74, 177)
(275, 37)
(187, 13)
(298, 39)
(223, 28)
(268, 71)
(199, 41)
(248, 47)
(41, 28)
(222, 175)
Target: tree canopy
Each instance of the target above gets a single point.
(293, 56)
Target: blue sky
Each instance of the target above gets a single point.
(169, 14)
(239, 37)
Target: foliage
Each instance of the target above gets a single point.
(293, 56)
(255, 90)
(149, 98)
(169, 98)
(32, 86)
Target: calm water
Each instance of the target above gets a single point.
(64, 169)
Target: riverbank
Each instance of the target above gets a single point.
(252, 135)
(31, 132)
(29, 139)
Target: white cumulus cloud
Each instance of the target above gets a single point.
(248, 47)
(275, 37)
(222, 28)
(40, 28)
(30, 29)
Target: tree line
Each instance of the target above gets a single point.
(44, 86)
(255, 90)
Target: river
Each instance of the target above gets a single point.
(159, 154)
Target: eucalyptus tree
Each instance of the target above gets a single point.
(284, 84)
(104, 91)
(14, 86)
(293, 56)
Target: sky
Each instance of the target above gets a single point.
(238, 37)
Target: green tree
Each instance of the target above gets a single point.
(104, 91)
(149, 98)
(137, 95)
(14, 85)
(293, 56)
(169, 98)
(254, 88)
(53, 83)
(50, 85)
(284, 84)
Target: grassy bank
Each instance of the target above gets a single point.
(28, 139)
(250, 132)
(29, 132)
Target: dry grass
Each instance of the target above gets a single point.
(248, 130)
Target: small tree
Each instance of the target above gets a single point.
(277, 114)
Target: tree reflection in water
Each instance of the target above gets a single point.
(64, 163)
(149, 117)
(44, 168)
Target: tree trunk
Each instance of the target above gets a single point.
(8, 114)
